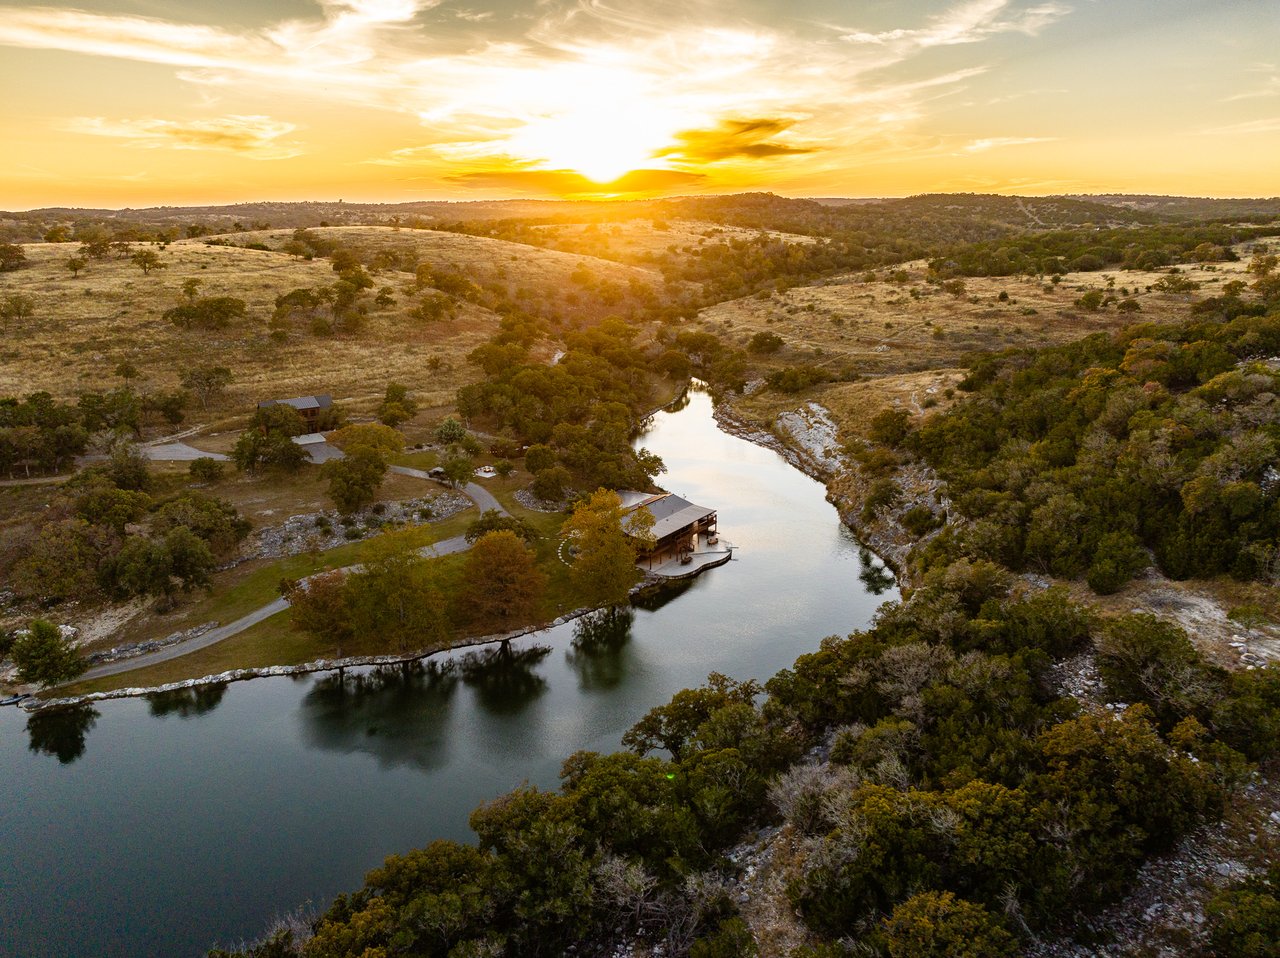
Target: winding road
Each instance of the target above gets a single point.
(482, 497)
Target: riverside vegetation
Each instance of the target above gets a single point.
(930, 786)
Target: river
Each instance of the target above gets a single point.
(166, 825)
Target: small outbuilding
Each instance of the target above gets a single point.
(316, 411)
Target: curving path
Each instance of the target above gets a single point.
(212, 637)
(482, 498)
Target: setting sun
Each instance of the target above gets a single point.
(609, 124)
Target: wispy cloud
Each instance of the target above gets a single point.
(581, 86)
(1267, 125)
(965, 23)
(999, 142)
(256, 136)
(1267, 86)
(754, 138)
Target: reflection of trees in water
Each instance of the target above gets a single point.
(503, 678)
(596, 653)
(681, 402)
(61, 732)
(875, 575)
(397, 713)
(677, 404)
(187, 703)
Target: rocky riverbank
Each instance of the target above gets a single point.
(1164, 913)
(807, 439)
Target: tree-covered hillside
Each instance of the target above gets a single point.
(1096, 458)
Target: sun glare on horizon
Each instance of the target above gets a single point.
(424, 98)
(606, 122)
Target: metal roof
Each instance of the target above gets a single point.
(671, 513)
(301, 402)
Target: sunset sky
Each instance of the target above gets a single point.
(146, 102)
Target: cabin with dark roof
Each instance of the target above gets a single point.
(316, 411)
(677, 526)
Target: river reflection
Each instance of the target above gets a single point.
(193, 818)
(61, 732)
(504, 679)
(398, 714)
(875, 575)
(598, 652)
(187, 703)
(652, 600)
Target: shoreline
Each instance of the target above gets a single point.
(732, 422)
(727, 419)
(34, 704)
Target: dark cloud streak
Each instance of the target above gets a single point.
(735, 139)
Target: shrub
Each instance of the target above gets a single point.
(206, 469)
(1091, 301)
(796, 379)
(1118, 558)
(883, 494)
(733, 939)
(890, 427)
(764, 343)
(1244, 920)
(539, 457)
(939, 925)
(920, 519)
(550, 485)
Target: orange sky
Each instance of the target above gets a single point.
(142, 102)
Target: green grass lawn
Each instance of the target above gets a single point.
(261, 583)
(275, 642)
(423, 459)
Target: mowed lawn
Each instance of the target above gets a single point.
(274, 641)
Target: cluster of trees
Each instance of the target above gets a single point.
(402, 601)
(1088, 250)
(268, 442)
(355, 478)
(397, 601)
(845, 237)
(580, 413)
(324, 309)
(965, 808)
(106, 535)
(1095, 458)
(12, 256)
(397, 405)
(38, 433)
(207, 312)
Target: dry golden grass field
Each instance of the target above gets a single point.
(484, 259)
(84, 327)
(912, 338)
(635, 241)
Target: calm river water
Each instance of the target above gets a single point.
(163, 826)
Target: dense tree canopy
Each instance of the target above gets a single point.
(965, 806)
(1095, 458)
